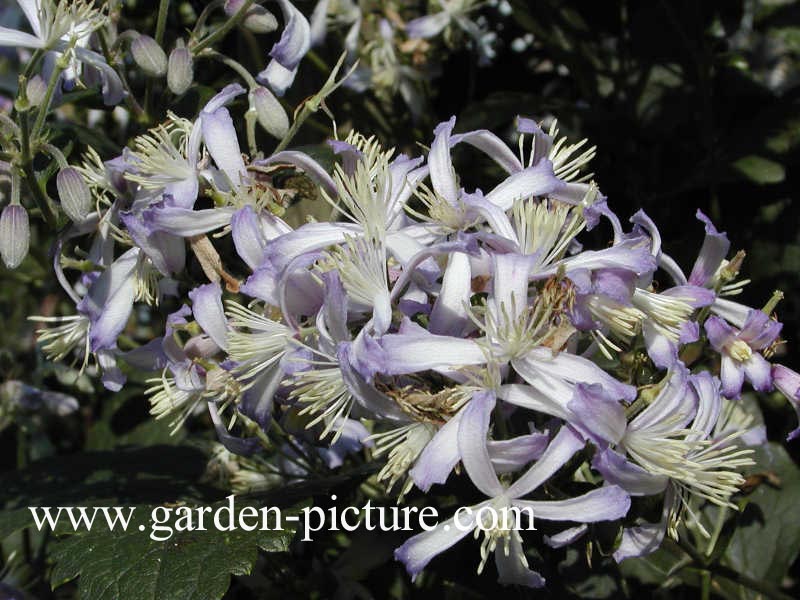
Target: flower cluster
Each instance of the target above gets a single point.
(447, 319)
(401, 51)
(433, 324)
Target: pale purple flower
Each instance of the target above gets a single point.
(740, 350)
(503, 539)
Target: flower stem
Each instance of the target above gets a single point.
(44, 108)
(224, 29)
(161, 22)
(39, 195)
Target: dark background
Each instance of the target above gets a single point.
(691, 104)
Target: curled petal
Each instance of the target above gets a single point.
(443, 175)
(512, 567)
(537, 180)
(715, 248)
(566, 443)
(605, 504)
(418, 551)
(219, 136)
(296, 37)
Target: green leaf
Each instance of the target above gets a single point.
(767, 540)
(190, 565)
(760, 170)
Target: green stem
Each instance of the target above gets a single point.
(32, 63)
(161, 22)
(130, 99)
(201, 20)
(718, 525)
(44, 108)
(317, 61)
(234, 65)
(39, 195)
(754, 584)
(250, 118)
(705, 585)
(224, 29)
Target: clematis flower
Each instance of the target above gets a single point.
(65, 27)
(501, 532)
(454, 12)
(670, 446)
(741, 351)
(288, 51)
(788, 383)
(101, 316)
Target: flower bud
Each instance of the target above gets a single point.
(180, 70)
(76, 199)
(15, 235)
(35, 90)
(269, 111)
(258, 19)
(149, 56)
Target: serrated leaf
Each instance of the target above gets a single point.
(190, 565)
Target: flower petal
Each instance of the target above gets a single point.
(511, 567)
(564, 445)
(443, 176)
(449, 315)
(296, 37)
(537, 180)
(418, 551)
(605, 504)
(411, 353)
(427, 26)
(14, 38)
(472, 433)
(635, 480)
(220, 138)
(712, 253)
(440, 456)
(209, 314)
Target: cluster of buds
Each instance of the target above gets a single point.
(75, 45)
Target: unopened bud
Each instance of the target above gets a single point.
(269, 111)
(15, 235)
(180, 70)
(258, 19)
(149, 56)
(36, 89)
(76, 198)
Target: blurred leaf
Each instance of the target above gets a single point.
(658, 568)
(124, 476)
(768, 538)
(121, 425)
(760, 170)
